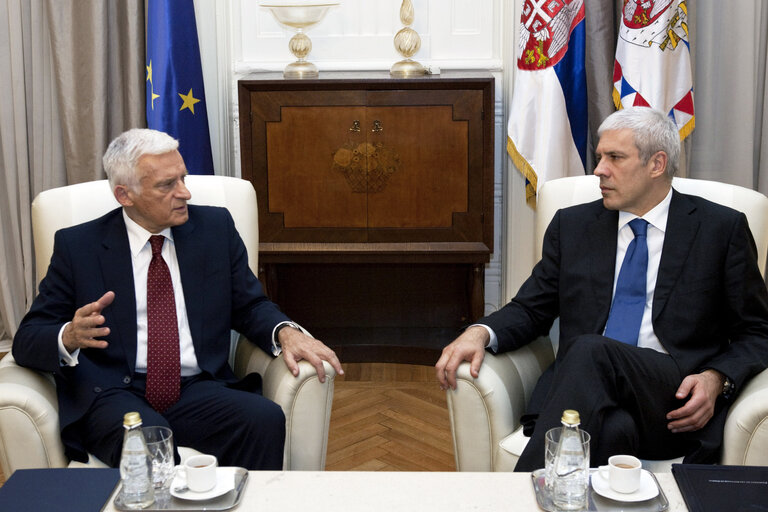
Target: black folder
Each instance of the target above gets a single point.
(58, 490)
(711, 488)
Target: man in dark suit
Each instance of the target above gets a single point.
(702, 323)
(96, 320)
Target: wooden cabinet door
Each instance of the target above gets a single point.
(429, 183)
(304, 185)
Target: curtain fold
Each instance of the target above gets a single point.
(72, 77)
(729, 82)
(99, 66)
(30, 149)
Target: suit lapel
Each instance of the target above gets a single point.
(602, 238)
(117, 273)
(682, 226)
(190, 253)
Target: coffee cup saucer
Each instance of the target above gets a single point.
(647, 490)
(225, 482)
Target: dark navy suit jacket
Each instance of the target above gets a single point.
(220, 291)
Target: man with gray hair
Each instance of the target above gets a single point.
(663, 310)
(135, 314)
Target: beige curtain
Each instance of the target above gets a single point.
(72, 77)
(730, 142)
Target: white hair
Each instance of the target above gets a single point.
(122, 156)
(653, 131)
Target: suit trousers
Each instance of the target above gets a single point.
(622, 393)
(241, 428)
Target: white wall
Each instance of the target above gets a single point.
(239, 38)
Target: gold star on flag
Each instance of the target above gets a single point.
(151, 85)
(189, 101)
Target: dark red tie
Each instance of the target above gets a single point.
(163, 366)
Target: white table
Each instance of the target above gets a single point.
(303, 491)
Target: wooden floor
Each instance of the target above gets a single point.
(387, 417)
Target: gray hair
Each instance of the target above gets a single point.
(123, 154)
(653, 130)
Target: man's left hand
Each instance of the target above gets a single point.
(703, 389)
(297, 346)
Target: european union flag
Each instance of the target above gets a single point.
(175, 93)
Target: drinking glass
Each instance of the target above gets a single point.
(160, 446)
(551, 439)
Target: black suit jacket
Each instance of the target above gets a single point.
(710, 306)
(220, 291)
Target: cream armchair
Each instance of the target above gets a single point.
(29, 423)
(485, 412)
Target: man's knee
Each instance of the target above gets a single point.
(586, 350)
(265, 419)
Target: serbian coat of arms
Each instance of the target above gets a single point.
(660, 23)
(545, 27)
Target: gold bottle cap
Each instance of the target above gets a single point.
(131, 419)
(570, 417)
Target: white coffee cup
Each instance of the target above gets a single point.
(622, 473)
(200, 471)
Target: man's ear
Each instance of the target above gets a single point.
(122, 195)
(659, 164)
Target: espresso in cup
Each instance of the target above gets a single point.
(200, 471)
(622, 473)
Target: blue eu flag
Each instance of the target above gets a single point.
(175, 94)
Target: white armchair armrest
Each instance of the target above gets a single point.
(305, 401)
(485, 410)
(29, 419)
(745, 437)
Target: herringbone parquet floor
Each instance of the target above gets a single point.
(389, 417)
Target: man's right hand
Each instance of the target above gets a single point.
(470, 346)
(85, 327)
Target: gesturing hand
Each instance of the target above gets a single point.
(297, 346)
(470, 346)
(85, 327)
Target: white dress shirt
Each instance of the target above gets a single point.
(657, 225)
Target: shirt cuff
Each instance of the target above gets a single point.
(277, 349)
(493, 344)
(65, 358)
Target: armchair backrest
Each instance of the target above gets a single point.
(74, 204)
(564, 192)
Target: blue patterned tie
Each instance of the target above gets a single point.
(629, 299)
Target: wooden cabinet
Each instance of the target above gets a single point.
(375, 205)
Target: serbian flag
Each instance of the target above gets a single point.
(547, 129)
(175, 94)
(653, 60)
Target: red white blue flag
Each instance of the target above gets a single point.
(547, 128)
(653, 60)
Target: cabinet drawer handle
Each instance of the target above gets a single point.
(377, 126)
(355, 126)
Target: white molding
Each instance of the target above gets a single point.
(246, 67)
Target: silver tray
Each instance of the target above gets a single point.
(599, 503)
(224, 502)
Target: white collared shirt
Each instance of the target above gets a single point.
(141, 255)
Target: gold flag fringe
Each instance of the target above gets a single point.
(526, 170)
